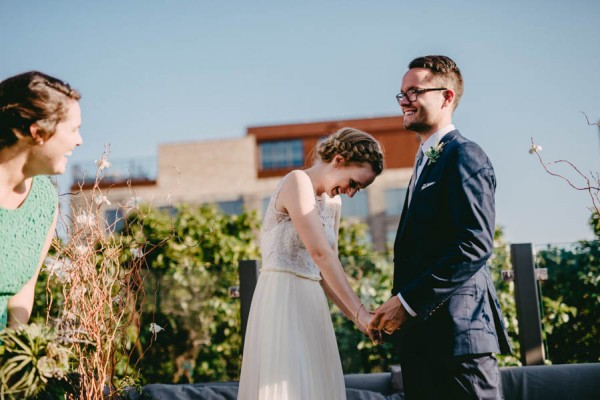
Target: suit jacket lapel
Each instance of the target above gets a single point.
(407, 210)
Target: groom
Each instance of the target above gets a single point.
(444, 304)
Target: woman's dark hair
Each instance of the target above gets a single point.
(28, 98)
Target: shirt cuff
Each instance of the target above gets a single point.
(405, 304)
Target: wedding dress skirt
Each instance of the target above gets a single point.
(290, 350)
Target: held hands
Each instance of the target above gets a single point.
(389, 317)
(362, 321)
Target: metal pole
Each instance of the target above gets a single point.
(248, 273)
(527, 301)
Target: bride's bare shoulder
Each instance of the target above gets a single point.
(296, 191)
(297, 180)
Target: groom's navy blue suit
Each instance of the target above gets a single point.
(444, 240)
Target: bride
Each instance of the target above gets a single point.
(290, 350)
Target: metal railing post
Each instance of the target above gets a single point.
(248, 272)
(527, 301)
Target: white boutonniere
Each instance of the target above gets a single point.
(434, 152)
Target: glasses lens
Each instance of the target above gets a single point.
(399, 97)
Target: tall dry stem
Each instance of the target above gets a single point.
(101, 275)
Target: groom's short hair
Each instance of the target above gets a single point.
(444, 70)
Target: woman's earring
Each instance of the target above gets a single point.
(41, 142)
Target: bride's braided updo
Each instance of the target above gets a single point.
(355, 146)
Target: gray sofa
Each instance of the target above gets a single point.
(548, 382)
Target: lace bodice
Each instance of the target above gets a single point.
(282, 248)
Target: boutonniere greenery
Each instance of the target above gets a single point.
(434, 152)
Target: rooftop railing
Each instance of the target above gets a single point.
(141, 169)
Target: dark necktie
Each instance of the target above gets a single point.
(413, 181)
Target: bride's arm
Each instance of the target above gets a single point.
(298, 200)
(336, 300)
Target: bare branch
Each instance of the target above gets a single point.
(588, 121)
(592, 182)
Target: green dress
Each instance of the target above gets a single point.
(23, 232)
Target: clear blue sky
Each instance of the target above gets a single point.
(166, 71)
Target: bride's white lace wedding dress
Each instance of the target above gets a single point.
(290, 350)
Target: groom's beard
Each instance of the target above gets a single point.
(419, 122)
(418, 126)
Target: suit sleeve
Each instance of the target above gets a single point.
(471, 186)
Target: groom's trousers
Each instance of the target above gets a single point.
(463, 377)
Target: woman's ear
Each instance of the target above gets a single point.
(36, 133)
(338, 161)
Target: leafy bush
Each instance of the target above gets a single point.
(370, 276)
(35, 363)
(190, 276)
(505, 288)
(572, 302)
(187, 278)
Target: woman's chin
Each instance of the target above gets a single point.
(60, 167)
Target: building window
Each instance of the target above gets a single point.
(115, 220)
(394, 201)
(233, 207)
(281, 154)
(357, 206)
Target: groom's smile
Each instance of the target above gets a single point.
(422, 101)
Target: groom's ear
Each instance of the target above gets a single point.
(449, 96)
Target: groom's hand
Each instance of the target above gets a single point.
(389, 317)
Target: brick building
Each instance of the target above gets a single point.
(242, 173)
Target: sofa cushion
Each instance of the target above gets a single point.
(200, 391)
(545, 382)
(550, 382)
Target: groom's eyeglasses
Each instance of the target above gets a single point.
(411, 94)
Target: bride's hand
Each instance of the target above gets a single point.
(362, 322)
(363, 317)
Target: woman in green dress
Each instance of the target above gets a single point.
(39, 128)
